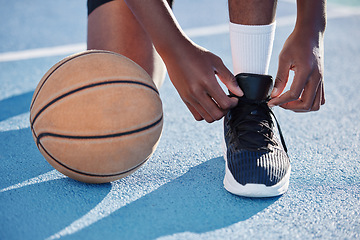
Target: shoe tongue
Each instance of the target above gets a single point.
(255, 86)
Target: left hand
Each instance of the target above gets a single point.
(302, 53)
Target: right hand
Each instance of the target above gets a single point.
(192, 71)
(191, 68)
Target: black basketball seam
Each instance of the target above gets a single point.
(67, 60)
(90, 86)
(93, 174)
(87, 137)
(46, 134)
(38, 143)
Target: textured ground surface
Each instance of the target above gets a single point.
(178, 194)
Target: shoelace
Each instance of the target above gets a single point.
(250, 113)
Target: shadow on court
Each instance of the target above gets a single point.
(15, 105)
(39, 210)
(20, 159)
(195, 202)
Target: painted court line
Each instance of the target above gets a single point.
(17, 122)
(337, 12)
(73, 48)
(42, 52)
(114, 201)
(49, 176)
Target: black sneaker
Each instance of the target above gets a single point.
(257, 164)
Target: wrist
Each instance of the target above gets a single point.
(311, 17)
(309, 29)
(177, 50)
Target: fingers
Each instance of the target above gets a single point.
(302, 98)
(193, 111)
(217, 93)
(281, 78)
(209, 101)
(210, 106)
(295, 91)
(228, 79)
(323, 94)
(199, 87)
(317, 101)
(207, 110)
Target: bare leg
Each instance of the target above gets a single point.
(113, 27)
(252, 12)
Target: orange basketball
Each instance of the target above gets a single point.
(96, 116)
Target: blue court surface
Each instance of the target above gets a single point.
(178, 193)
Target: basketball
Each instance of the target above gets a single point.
(96, 116)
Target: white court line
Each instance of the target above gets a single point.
(114, 200)
(42, 52)
(73, 48)
(49, 176)
(134, 188)
(336, 12)
(17, 122)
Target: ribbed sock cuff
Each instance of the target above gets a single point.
(251, 47)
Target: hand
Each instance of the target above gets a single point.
(302, 53)
(192, 71)
(191, 68)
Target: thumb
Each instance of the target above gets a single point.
(229, 80)
(281, 79)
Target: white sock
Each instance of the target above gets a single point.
(251, 47)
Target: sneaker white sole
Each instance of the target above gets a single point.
(252, 189)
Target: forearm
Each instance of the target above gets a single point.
(303, 52)
(311, 17)
(191, 68)
(158, 20)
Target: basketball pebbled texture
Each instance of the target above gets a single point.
(96, 116)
